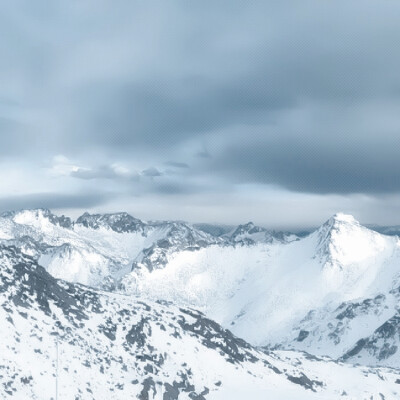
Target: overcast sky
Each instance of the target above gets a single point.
(221, 111)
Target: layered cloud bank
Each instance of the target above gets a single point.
(209, 105)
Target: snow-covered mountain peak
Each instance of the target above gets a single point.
(247, 228)
(39, 217)
(171, 237)
(342, 217)
(251, 234)
(118, 222)
(338, 222)
(342, 241)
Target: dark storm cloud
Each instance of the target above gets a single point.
(305, 96)
(304, 166)
(242, 75)
(161, 114)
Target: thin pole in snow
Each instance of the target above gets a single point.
(57, 366)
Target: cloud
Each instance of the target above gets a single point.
(301, 97)
(151, 172)
(53, 201)
(177, 164)
(103, 172)
(203, 154)
(62, 165)
(195, 76)
(321, 159)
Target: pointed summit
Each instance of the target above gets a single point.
(342, 217)
(342, 240)
(336, 222)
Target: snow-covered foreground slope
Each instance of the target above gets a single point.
(112, 346)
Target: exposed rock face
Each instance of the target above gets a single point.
(118, 222)
(250, 234)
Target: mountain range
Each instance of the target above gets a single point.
(167, 309)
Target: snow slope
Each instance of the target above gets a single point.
(112, 346)
(98, 249)
(270, 292)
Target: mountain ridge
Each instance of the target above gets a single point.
(321, 293)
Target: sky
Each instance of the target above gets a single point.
(278, 112)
